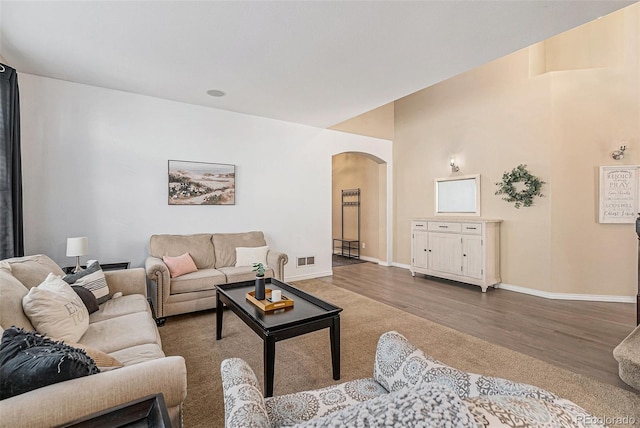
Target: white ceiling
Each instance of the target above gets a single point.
(311, 62)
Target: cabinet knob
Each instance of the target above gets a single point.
(429, 250)
(464, 255)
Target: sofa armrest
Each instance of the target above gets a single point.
(277, 260)
(160, 283)
(66, 401)
(126, 281)
(243, 402)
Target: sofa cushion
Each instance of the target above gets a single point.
(12, 292)
(243, 273)
(56, 310)
(122, 332)
(103, 360)
(225, 245)
(203, 279)
(179, 265)
(423, 406)
(29, 361)
(32, 270)
(123, 305)
(198, 246)
(138, 354)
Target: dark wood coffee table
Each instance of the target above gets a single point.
(307, 314)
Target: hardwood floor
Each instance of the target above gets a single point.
(576, 335)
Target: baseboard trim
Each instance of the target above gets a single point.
(308, 276)
(401, 265)
(370, 259)
(567, 296)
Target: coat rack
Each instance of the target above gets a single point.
(349, 247)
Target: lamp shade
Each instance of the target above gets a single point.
(77, 246)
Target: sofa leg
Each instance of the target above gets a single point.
(160, 321)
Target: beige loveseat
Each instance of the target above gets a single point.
(215, 257)
(123, 327)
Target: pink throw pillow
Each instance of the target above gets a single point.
(179, 265)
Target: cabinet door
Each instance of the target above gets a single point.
(472, 256)
(445, 252)
(420, 254)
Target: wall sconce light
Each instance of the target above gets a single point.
(454, 167)
(619, 154)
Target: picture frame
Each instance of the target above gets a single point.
(619, 194)
(201, 183)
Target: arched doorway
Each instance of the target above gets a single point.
(358, 170)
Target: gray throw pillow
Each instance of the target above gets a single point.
(92, 278)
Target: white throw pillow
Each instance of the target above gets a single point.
(247, 256)
(56, 310)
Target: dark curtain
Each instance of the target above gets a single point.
(11, 228)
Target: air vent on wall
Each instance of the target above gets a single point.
(305, 261)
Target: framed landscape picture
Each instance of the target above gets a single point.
(201, 183)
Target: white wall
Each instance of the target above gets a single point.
(95, 164)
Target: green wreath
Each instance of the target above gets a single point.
(524, 197)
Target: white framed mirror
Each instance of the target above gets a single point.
(458, 196)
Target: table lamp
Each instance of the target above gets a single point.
(77, 247)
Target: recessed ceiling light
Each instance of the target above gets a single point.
(216, 93)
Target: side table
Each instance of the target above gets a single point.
(150, 411)
(106, 266)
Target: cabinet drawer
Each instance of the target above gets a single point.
(419, 225)
(472, 228)
(445, 226)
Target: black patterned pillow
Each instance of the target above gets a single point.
(92, 278)
(29, 361)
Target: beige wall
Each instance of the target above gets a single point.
(375, 123)
(351, 171)
(563, 125)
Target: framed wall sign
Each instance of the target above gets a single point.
(619, 196)
(200, 183)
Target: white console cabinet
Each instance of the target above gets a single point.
(461, 250)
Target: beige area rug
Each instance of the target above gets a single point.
(304, 362)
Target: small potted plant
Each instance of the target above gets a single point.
(258, 268)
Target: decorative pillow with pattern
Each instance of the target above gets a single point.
(524, 412)
(399, 364)
(92, 278)
(56, 310)
(29, 361)
(428, 405)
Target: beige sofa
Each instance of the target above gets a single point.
(123, 327)
(214, 256)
